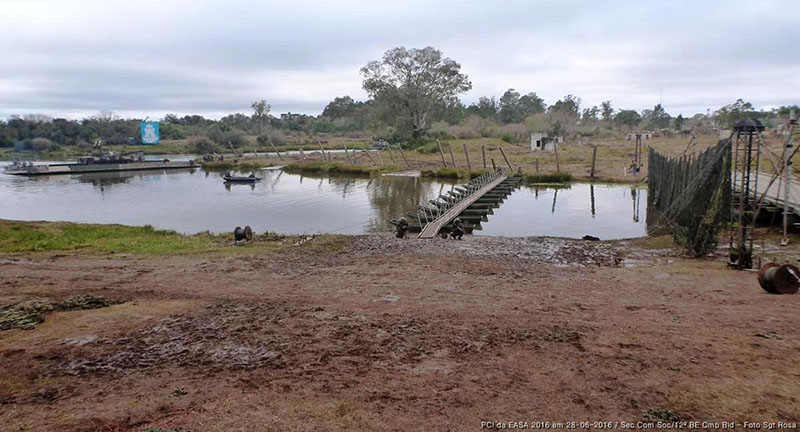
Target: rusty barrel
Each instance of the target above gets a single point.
(779, 279)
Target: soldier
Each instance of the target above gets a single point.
(458, 229)
(402, 228)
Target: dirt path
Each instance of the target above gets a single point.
(397, 335)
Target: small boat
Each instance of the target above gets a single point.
(230, 178)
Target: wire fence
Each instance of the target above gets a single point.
(689, 196)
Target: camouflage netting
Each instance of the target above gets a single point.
(690, 196)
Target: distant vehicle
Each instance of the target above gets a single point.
(380, 145)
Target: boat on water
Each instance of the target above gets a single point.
(107, 161)
(230, 178)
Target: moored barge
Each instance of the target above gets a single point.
(90, 164)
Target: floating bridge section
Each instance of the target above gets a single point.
(470, 197)
(772, 190)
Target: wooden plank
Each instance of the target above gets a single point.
(432, 229)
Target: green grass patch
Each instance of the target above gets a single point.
(319, 167)
(559, 177)
(61, 236)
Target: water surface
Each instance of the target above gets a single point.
(601, 210)
(193, 201)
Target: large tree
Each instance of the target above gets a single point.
(728, 115)
(657, 117)
(515, 108)
(606, 111)
(509, 107)
(340, 107)
(260, 111)
(486, 108)
(415, 83)
(629, 118)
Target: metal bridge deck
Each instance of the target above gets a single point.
(432, 229)
(775, 192)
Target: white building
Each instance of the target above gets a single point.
(540, 141)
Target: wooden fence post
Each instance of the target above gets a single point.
(506, 158)
(274, 148)
(441, 152)
(408, 165)
(466, 154)
(391, 155)
(594, 159)
(555, 148)
(346, 153)
(483, 152)
(369, 156)
(452, 158)
(321, 149)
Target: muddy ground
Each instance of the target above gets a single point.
(384, 334)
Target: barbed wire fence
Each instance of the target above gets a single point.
(690, 196)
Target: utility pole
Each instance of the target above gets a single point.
(787, 177)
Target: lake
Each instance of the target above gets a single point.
(192, 201)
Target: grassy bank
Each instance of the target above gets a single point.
(557, 177)
(452, 173)
(320, 167)
(459, 173)
(181, 146)
(246, 165)
(35, 237)
(62, 236)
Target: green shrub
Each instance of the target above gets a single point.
(203, 145)
(451, 173)
(336, 168)
(559, 177)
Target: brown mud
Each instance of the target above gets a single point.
(387, 334)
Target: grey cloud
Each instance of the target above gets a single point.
(216, 57)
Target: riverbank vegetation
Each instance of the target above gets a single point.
(560, 177)
(94, 238)
(98, 239)
(452, 173)
(322, 167)
(239, 165)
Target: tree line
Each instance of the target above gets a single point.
(413, 97)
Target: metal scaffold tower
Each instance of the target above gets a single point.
(746, 153)
(788, 153)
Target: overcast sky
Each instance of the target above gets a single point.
(147, 58)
